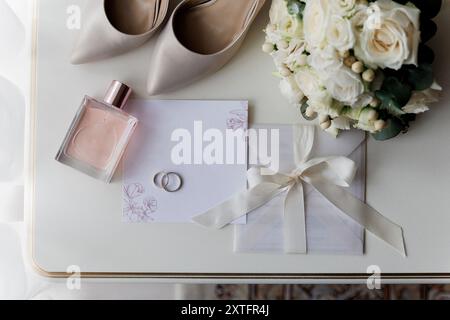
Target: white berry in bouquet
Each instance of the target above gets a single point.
(355, 63)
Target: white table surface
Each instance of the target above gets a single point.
(78, 220)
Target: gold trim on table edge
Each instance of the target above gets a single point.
(29, 200)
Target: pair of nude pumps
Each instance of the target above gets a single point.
(200, 37)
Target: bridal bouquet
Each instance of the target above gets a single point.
(355, 63)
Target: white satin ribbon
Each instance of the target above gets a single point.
(328, 176)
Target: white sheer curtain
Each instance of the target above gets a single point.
(17, 279)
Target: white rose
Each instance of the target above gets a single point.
(344, 8)
(325, 61)
(390, 35)
(291, 27)
(278, 11)
(313, 88)
(315, 20)
(291, 91)
(309, 82)
(283, 26)
(345, 85)
(286, 24)
(340, 33)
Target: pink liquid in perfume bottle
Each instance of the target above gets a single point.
(96, 137)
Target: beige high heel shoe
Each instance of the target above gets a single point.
(113, 27)
(200, 38)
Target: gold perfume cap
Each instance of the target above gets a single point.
(117, 94)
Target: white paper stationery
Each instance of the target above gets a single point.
(206, 183)
(328, 230)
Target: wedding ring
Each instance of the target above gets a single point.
(168, 181)
(174, 182)
(160, 179)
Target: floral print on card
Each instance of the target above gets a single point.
(238, 119)
(138, 206)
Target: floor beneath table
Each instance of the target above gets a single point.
(314, 292)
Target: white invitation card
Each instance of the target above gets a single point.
(202, 141)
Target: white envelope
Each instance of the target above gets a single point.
(150, 152)
(328, 229)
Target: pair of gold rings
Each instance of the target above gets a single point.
(168, 181)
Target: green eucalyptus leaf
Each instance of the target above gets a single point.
(389, 103)
(394, 128)
(399, 91)
(421, 77)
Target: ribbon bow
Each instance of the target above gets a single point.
(327, 175)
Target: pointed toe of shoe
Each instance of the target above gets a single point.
(156, 81)
(88, 49)
(161, 79)
(153, 87)
(82, 54)
(78, 57)
(173, 66)
(165, 74)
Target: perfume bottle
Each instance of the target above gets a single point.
(99, 134)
